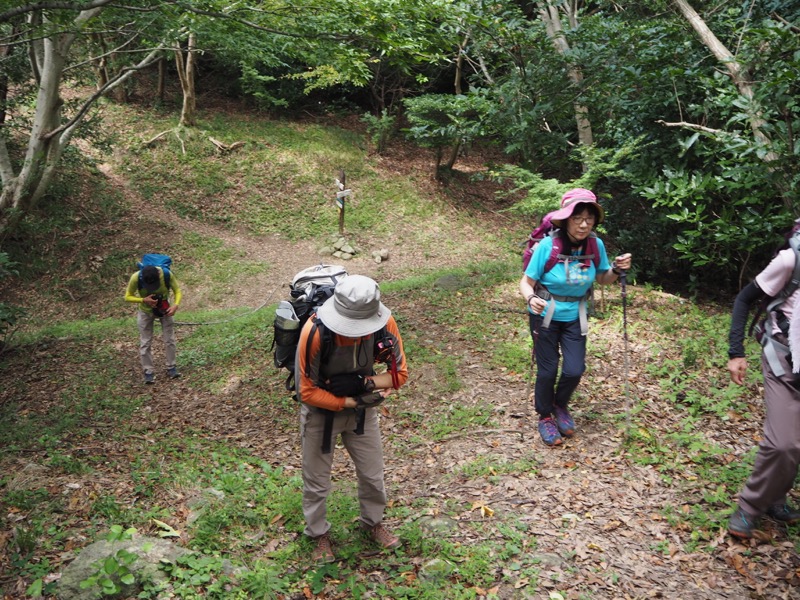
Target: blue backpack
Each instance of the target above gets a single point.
(163, 261)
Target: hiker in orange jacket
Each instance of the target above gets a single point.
(340, 391)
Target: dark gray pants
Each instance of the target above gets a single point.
(778, 457)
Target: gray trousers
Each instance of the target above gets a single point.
(366, 453)
(145, 322)
(778, 457)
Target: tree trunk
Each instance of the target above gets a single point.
(186, 71)
(101, 64)
(5, 54)
(455, 149)
(555, 32)
(21, 192)
(460, 64)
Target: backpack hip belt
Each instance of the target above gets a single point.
(771, 347)
(583, 317)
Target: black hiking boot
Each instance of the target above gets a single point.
(742, 524)
(784, 513)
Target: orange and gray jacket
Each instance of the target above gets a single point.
(346, 355)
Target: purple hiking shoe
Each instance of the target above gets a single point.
(564, 422)
(549, 431)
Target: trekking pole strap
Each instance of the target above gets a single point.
(360, 418)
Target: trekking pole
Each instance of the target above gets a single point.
(626, 364)
(530, 377)
(534, 335)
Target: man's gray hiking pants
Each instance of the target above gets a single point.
(145, 322)
(366, 453)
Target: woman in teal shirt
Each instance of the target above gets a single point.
(556, 285)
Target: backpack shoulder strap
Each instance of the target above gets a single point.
(326, 342)
(557, 254)
(794, 282)
(558, 245)
(593, 250)
(772, 303)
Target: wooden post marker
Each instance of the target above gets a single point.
(341, 194)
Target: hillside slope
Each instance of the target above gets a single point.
(633, 507)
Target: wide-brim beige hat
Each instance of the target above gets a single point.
(355, 309)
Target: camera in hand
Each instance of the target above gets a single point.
(368, 400)
(161, 307)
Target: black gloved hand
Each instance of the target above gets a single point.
(346, 384)
(368, 400)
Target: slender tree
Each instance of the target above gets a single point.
(25, 181)
(736, 71)
(551, 16)
(186, 73)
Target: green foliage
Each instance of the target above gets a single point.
(490, 467)
(542, 195)
(446, 121)
(193, 576)
(114, 571)
(457, 418)
(380, 128)
(264, 580)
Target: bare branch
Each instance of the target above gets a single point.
(122, 76)
(154, 139)
(695, 127)
(703, 129)
(180, 139)
(223, 147)
(791, 26)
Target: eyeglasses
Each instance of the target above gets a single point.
(578, 220)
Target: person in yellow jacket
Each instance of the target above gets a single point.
(153, 300)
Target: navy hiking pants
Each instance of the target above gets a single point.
(560, 339)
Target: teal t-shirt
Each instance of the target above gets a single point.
(572, 279)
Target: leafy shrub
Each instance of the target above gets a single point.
(380, 128)
(442, 121)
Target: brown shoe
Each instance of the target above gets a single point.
(323, 551)
(383, 537)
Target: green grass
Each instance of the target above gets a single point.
(491, 467)
(243, 499)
